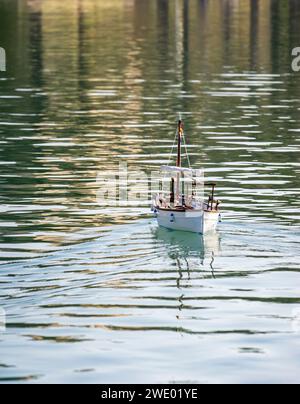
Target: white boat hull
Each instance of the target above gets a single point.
(191, 221)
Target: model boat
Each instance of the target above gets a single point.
(183, 206)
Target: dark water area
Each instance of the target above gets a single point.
(99, 294)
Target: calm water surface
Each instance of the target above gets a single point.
(93, 294)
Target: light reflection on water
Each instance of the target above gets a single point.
(101, 295)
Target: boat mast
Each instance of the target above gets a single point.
(179, 133)
(178, 163)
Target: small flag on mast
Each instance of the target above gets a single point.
(180, 128)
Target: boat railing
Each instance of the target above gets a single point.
(212, 204)
(166, 201)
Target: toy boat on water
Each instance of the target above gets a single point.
(183, 207)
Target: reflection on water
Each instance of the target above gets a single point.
(182, 247)
(100, 295)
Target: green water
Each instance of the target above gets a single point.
(98, 294)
